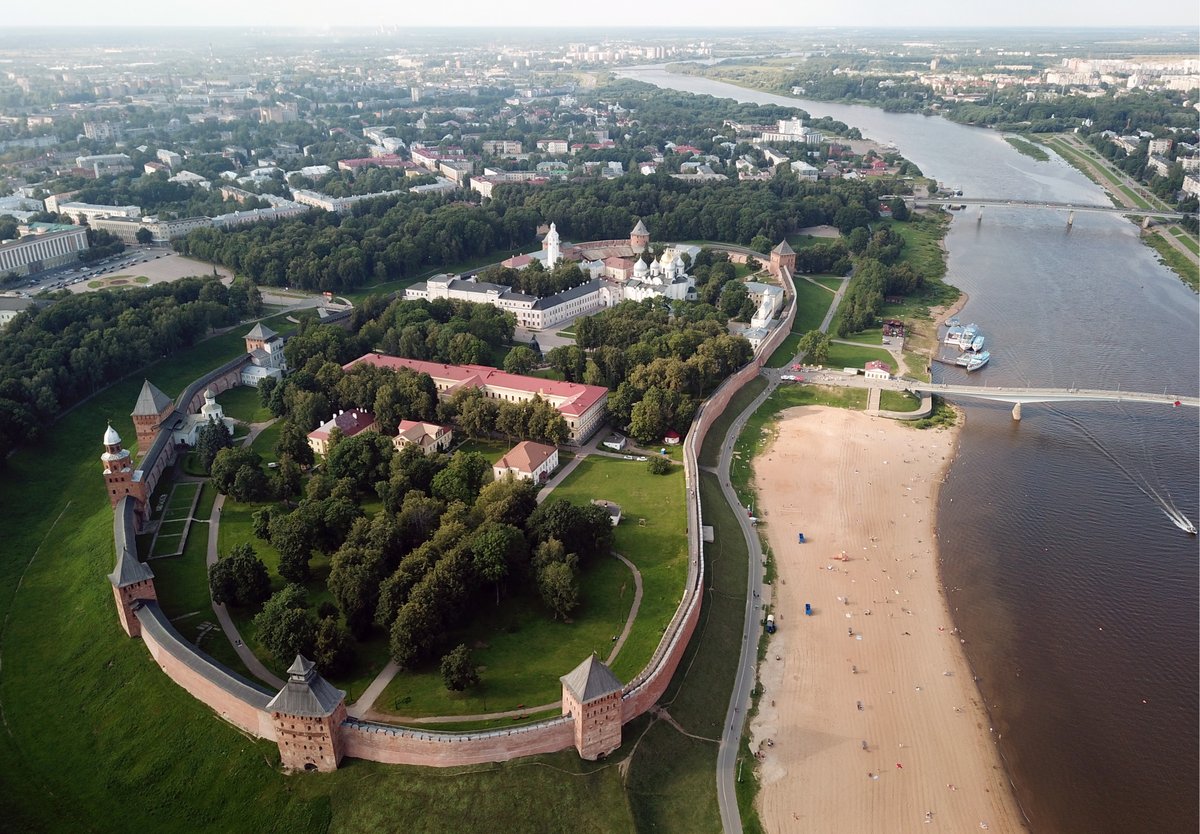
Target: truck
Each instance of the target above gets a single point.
(770, 624)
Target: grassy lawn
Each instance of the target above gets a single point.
(265, 442)
(166, 545)
(812, 305)
(1185, 267)
(744, 271)
(831, 282)
(670, 779)
(547, 373)
(242, 403)
(798, 241)
(521, 650)
(898, 401)
(493, 450)
(1188, 241)
(658, 548)
(1027, 148)
(854, 356)
(760, 429)
(710, 451)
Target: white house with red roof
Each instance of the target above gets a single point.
(430, 438)
(349, 423)
(876, 369)
(582, 406)
(527, 461)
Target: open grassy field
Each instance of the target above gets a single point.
(856, 356)
(1185, 267)
(658, 547)
(520, 649)
(898, 401)
(710, 451)
(242, 403)
(1027, 148)
(493, 450)
(671, 781)
(812, 305)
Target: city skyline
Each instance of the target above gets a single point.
(616, 14)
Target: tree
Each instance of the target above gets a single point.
(284, 626)
(496, 549)
(520, 360)
(293, 442)
(650, 418)
(463, 478)
(733, 296)
(237, 472)
(761, 244)
(240, 578)
(556, 584)
(333, 649)
(458, 672)
(355, 575)
(212, 437)
(262, 524)
(659, 465)
(568, 360)
(144, 236)
(815, 346)
(508, 501)
(292, 535)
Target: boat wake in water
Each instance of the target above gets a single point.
(1167, 504)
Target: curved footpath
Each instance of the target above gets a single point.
(230, 629)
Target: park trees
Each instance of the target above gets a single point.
(212, 437)
(237, 472)
(239, 578)
(284, 626)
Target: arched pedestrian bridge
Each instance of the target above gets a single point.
(1018, 396)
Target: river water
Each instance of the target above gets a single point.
(1077, 596)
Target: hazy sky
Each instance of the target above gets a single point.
(610, 13)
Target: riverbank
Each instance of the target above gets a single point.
(879, 661)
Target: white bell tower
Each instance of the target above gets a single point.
(550, 244)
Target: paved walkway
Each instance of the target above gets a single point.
(248, 657)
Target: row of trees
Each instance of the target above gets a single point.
(54, 355)
(878, 274)
(535, 279)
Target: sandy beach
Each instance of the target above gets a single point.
(872, 713)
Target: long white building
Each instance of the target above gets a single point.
(531, 312)
(36, 252)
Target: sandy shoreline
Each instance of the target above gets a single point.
(879, 660)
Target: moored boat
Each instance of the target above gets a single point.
(978, 360)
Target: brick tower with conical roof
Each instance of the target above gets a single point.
(591, 695)
(782, 256)
(308, 714)
(639, 238)
(151, 411)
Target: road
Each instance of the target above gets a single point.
(739, 700)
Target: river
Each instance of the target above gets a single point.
(1077, 596)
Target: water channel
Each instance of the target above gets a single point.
(1078, 597)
